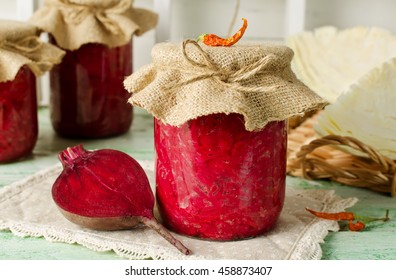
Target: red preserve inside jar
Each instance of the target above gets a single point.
(218, 181)
(88, 98)
(18, 116)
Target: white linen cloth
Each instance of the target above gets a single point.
(27, 209)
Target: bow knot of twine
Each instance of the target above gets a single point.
(227, 78)
(76, 13)
(27, 45)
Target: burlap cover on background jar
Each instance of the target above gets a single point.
(77, 22)
(20, 45)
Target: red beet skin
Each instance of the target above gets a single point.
(87, 188)
(106, 190)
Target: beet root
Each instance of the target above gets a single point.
(106, 190)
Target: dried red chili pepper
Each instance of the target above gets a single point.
(340, 216)
(214, 40)
(358, 226)
(360, 223)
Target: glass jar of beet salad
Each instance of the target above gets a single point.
(88, 99)
(220, 128)
(217, 180)
(22, 57)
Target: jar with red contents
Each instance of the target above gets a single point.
(217, 180)
(18, 116)
(220, 133)
(22, 57)
(88, 99)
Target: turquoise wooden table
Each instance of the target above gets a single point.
(377, 241)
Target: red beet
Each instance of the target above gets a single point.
(106, 190)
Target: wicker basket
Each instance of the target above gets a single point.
(321, 158)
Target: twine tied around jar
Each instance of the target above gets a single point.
(75, 13)
(376, 172)
(227, 78)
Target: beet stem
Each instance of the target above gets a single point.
(161, 230)
(67, 156)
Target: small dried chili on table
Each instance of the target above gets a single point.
(360, 223)
(346, 216)
(214, 40)
(358, 226)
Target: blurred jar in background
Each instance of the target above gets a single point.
(18, 116)
(22, 57)
(88, 99)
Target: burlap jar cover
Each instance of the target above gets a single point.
(74, 23)
(187, 81)
(20, 45)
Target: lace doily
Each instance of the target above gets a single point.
(27, 209)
